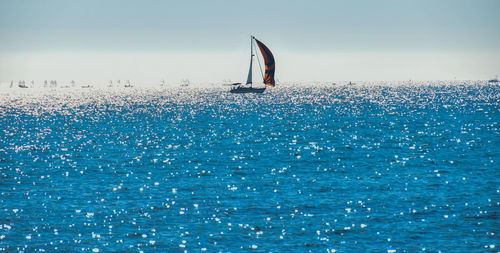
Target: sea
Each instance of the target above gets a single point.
(303, 167)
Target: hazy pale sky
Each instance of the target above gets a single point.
(208, 41)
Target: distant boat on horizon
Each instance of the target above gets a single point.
(494, 80)
(70, 85)
(22, 84)
(185, 82)
(269, 70)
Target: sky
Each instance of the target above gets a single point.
(209, 41)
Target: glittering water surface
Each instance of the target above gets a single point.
(308, 168)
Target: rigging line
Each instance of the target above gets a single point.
(260, 67)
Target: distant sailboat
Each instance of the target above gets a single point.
(185, 82)
(22, 84)
(268, 76)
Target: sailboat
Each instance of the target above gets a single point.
(22, 84)
(185, 82)
(268, 76)
(128, 85)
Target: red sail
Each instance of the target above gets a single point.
(269, 62)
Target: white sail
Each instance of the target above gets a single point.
(249, 78)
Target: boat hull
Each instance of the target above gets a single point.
(247, 90)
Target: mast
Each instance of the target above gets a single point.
(249, 78)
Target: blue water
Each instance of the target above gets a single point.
(305, 168)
